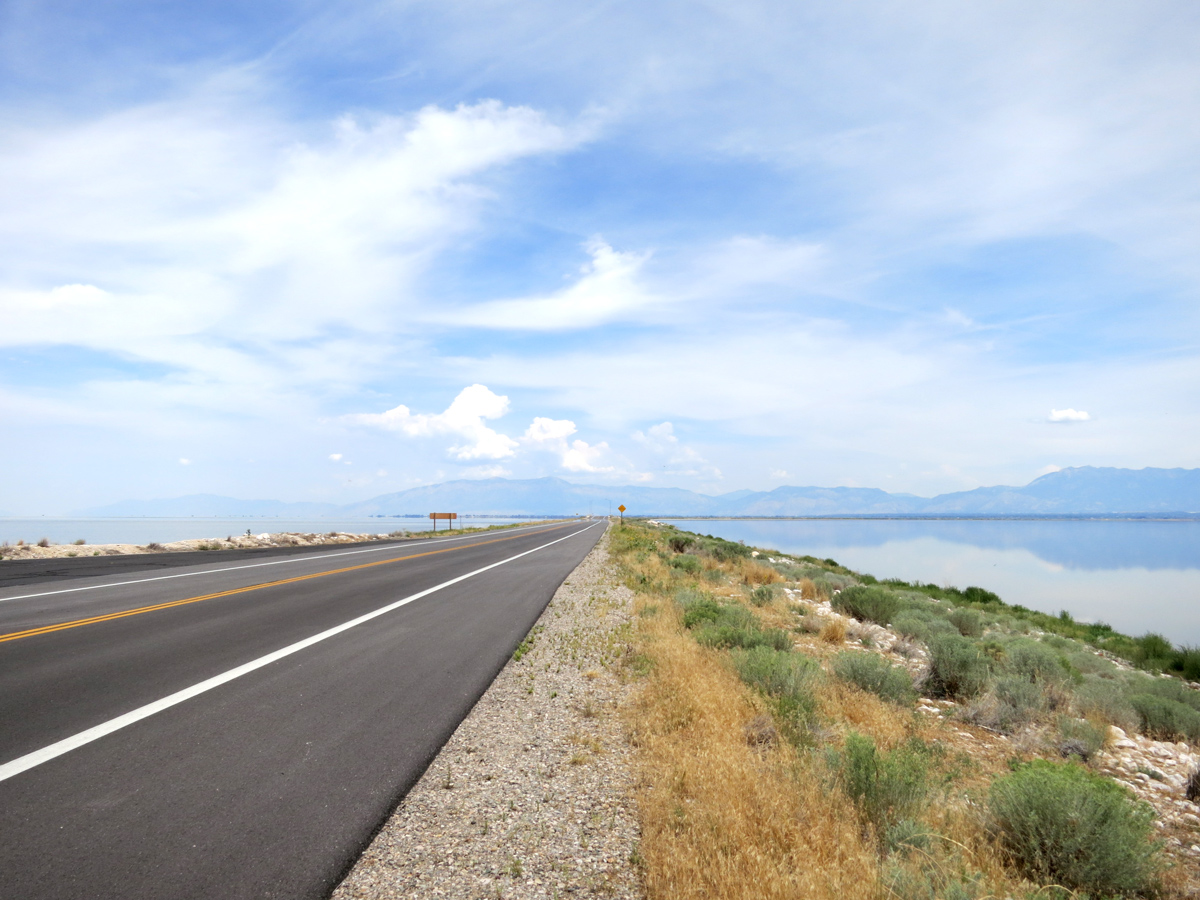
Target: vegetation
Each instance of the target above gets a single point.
(875, 674)
(776, 763)
(1063, 825)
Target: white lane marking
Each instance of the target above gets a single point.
(277, 562)
(66, 745)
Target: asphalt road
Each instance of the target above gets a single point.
(242, 729)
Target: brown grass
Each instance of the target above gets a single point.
(808, 590)
(719, 817)
(729, 809)
(751, 571)
(833, 631)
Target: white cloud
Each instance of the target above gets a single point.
(335, 456)
(583, 457)
(678, 459)
(464, 418)
(185, 462)
(542, 430)
(574, 456)
(1048, 469)
(239, 249)
(1068, 415)
(778, 473)
(609, 289)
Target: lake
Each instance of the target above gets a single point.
(1137, 576)
(143, 530)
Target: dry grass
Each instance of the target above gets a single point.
(833, 632)
(721, 818)
(729, 809)
(752, 572)
(808, 590)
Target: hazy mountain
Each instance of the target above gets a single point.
(1080, 491)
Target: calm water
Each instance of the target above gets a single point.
(143, 530)
(1136, 576)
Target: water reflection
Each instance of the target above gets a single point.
(1137, 576)
(1076, 544)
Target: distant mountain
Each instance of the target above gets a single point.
(211, 505)
(1079, 491)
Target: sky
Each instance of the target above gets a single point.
(326, 251)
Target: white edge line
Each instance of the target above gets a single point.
(276, 562)
(66, 745)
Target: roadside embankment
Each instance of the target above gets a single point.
(532, 795)
(802, 731)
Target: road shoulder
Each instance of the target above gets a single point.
(533, 794)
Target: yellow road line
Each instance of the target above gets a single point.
(47, 629)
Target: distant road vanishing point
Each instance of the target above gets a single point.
(241, 729)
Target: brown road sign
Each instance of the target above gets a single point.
(436, 516)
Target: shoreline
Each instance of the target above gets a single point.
(265, 540)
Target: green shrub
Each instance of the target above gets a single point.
(764, 594)
(679, 542)
(968, 622)
(686, 563)
(957, 669)
(1035, 662)
(921, 625)
(929, 878)
(1089, 663)
(698, 608)
(979, 595)
(1062, 825)
(886, 787)
(873, 673)
(868, 604)
(1079, 737)
(724, 636)
(828, 582)
(1166, 720)
(1170, 688)
(1153, 651)
(789, 679)
(723, 550)
(726, 625)
(1010, 702)
(1107, 701)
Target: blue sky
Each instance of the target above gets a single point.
(326, 251)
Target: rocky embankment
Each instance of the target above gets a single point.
(1158, 772)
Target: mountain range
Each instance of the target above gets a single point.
(1085, 490)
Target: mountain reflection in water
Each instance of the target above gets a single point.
(1136, 575)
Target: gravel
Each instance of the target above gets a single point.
(533, 794)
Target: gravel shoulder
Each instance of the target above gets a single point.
(532, 796)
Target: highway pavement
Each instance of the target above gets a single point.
(241, 728)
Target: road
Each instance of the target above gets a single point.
(241, 729)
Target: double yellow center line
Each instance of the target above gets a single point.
(76, 623)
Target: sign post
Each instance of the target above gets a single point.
(450, 516)
(621, 509)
